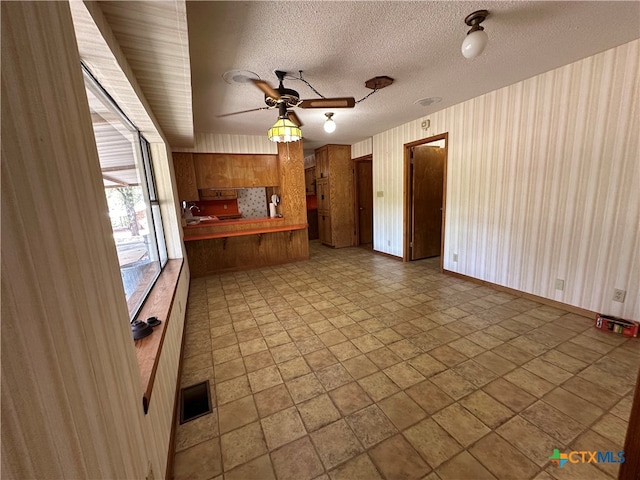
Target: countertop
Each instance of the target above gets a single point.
(210, 229)
(230, 221)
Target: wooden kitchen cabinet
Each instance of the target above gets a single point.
(211, 194)
(324, 228)
(322, 162)
(185, 177)
(217, 170)
(335, 196)
(323, 195)
(310, 180)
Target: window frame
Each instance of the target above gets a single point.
(149, 194)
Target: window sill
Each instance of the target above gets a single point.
(158, 304)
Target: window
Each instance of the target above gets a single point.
(134, 211)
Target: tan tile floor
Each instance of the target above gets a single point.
(355, 366)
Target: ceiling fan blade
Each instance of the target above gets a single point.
(243, 111)
(267, 89)
(294, 118)
(343, 102)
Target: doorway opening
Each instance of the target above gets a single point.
(425, 174)
(363, 201)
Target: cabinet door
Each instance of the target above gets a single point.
(217, 170)
(324, 228)
(310, 181)
(322, 163)
(212, 171)
(341, 186)
(210, 194)
(227, 194)
(185, 177)
(255, 170)
(324, 200)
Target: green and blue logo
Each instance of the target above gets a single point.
(561, 459)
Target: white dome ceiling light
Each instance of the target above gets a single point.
(476, 38)
(329, 124)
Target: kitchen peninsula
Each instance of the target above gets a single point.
(222, 242)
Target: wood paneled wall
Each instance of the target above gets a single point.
(542, 183)
(71, 393)
(211, 256)
(293, 203)
(248, 251)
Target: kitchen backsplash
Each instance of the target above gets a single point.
(252, 202)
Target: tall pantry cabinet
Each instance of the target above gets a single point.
(334, 188)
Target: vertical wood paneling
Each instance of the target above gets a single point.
(158, 47)
(542, 183)
(71, 392)
(293, 205)
(226, 143)
(158, 420)
(70, 388)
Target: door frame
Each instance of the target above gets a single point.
(356, 185)
(408, 194)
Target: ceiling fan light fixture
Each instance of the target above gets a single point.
(476, 39)
(284, 131)
(329, 124)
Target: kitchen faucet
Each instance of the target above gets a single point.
(187, 209)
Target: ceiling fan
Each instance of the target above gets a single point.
(285, 98)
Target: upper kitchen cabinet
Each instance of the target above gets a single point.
(217, 170)
(185, 177)
(310, 181)
(322, 162)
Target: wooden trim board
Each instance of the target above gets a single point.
(530, 296)
(158, 304)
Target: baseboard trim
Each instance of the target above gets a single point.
(529, 296)
(388, 255)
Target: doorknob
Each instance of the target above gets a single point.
(361, 208)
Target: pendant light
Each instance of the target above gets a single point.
(329, 124)
(284, 130)
(476, 39)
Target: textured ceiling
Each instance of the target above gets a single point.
(339, 45)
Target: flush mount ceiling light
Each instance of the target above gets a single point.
(239, 77)
(329, 124)
(476, 38)
(284, 130)
(426, 102)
